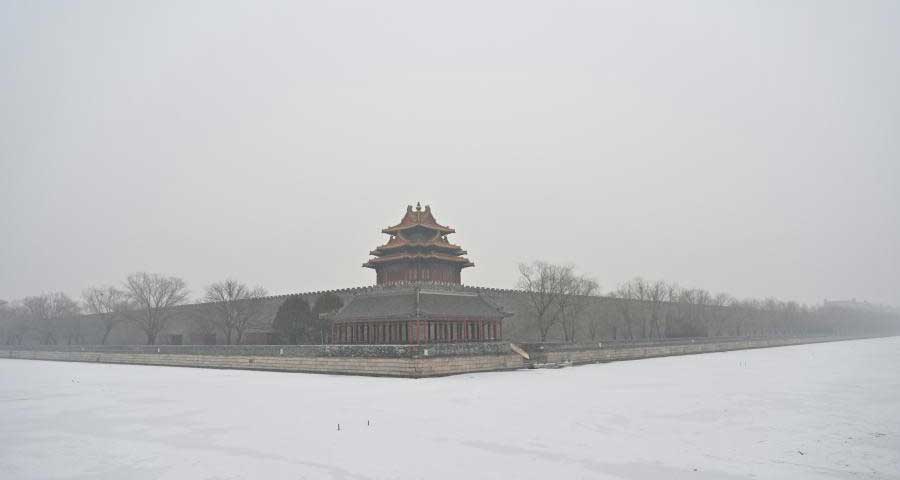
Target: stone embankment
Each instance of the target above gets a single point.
(412, 361)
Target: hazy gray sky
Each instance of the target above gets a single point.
(747, 147)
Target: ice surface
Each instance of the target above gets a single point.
(815, 411)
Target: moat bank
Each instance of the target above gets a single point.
(410, 361)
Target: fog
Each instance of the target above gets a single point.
(743, 147)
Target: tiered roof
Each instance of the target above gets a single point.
(418, 236)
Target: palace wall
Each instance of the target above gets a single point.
(189, 325)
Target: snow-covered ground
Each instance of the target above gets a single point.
(816, 411)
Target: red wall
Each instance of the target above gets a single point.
(418, 272)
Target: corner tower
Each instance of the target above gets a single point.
(418, 251)
(419, 298)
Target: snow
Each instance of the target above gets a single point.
(815, 411)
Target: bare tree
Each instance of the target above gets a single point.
(6, 322)
(629, 297)
(655, 296)
(541, 282)
(13, 323)
(721, 309)
(154, 295)
(110, 305)
(672, 313)
(691, 305)
(326, 306)
(595, 325)
(47, 312)
(18, 325)
(576, 293)
(742, 317)
(235, 307)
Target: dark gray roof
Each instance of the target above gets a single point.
(378, 306)
(408, 303)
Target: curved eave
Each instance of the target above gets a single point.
(375, 262)
(393, 249)
(399, 228)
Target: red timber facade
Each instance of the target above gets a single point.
(418, 298)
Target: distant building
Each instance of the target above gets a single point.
(418, 297)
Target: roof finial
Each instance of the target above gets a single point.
(418, 207)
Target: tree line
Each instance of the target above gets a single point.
(147, 301)
(227, 309)
(561, 304)
(557, 303)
